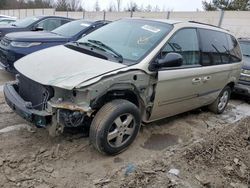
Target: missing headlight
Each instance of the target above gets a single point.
(70, 118)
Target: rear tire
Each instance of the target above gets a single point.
(115, 127)
(221, 102)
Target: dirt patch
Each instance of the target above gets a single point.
(221, 159)
(160, 141)
(30, 158)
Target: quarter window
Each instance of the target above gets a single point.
(184, 42)
(234, 49)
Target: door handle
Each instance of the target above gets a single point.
(196, 80)
(207, 78)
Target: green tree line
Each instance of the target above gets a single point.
(213, 5)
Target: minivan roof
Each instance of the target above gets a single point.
(188, 24)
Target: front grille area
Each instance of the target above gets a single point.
(3, 57)
(34, 92)
(5, 42)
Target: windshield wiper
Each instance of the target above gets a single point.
(87, 44)
(99, 43)
(13, 25)
(246, 55)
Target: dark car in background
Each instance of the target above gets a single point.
(16, 45)
(35, 23)
(243, 86)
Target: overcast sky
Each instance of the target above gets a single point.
(175, 5)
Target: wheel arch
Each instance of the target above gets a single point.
(231, 85)
(131, 95)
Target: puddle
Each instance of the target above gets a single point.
(160, 141)
(118, 160)
(237, 113)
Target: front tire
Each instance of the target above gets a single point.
(115, 126)
(221, 102)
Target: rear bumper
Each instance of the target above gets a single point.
(242, 89)
(21, 107)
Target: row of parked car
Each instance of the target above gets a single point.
(5, 20)
(110, 77)
(19, 38)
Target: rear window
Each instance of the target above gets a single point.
(26, 22)
(72, 28)
(234, 49)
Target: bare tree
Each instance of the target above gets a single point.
(149, 8)
(156, 9)
(97, 6)
(74, 5)
(142, 8)
(62, 5)
(111, 7)
(132, 6)
(119, 2)
(15, 4)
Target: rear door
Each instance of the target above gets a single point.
(178, 88)
(217, 63)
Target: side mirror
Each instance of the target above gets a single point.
(170, 60)
(37, 28)
(83, 35)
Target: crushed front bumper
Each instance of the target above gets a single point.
(21, 107)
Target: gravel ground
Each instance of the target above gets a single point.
(199, 149)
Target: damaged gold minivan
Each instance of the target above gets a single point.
(125, 73)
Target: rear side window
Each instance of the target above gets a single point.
(214, 47)
(234, 49)
(50, 24)
(64, 21)
(184, 42)
(218, 48)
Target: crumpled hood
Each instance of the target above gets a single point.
(62, 67)
(38, 36)
(246, 60)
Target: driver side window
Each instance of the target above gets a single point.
(184, 42)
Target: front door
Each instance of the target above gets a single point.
(178, 88)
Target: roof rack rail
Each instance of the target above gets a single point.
(206, 24)
(244, 38)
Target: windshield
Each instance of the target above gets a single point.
(130, 38)
(245, 47)
(72, 28)
(25, 22)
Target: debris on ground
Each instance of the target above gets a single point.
(194, 149)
